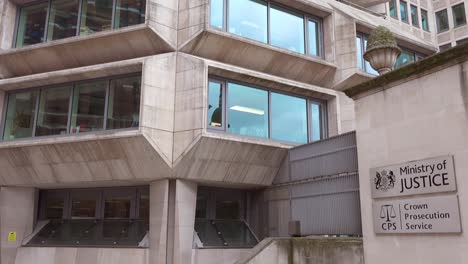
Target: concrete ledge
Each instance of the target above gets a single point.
(352, 80)
(122, 44)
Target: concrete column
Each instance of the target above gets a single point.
(182, 228)
(159, 193)
(17, 213)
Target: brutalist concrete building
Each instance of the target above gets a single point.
(182, 131)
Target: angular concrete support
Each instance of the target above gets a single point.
(16, 215)
(159, 193)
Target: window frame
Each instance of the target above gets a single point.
(395, 7)
(407, 21)
(453, 15)
(309, 101)
(363, 37)
(305, 16)
(421, 11)
(415, 23)
(437, 21)
(72, 89)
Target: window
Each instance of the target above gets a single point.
(392, 8)
(459, 17)
(414, 16)
(361, 45)
(108, 217)
(462, 41)
(406, 57)
(58, 19)
(424, 20)
(316, 110)
(261, 113)
(404, 11)
(445, 47)
(73, 108)
(442, 21)
(266, 22)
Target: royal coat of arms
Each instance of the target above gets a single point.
(384, 180)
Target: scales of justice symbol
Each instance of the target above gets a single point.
(387, 211)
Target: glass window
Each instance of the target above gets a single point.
(53, 111)
(393, 12)
(124, 103)
(217, 13)
(404, 11)
(314, 38)
(31, 25)
(96, 16)
(286, 30)
(63, 19)
(227, 209)
(445, 47)
(144, 206)
(369, 68)
(21, 111)
(54, 208)
(405, 58)
(459, 17)
(414, 16)
(442, 20)
(424, 20)
(288, 118)
(316, 121)
(88, 107)
(117, 206)
(215, 104)
(360, 55)
(129, 13)
(247, 111)
(251, 24)
(462, 41)
(83, 208)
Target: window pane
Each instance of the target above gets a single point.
(129, 13)
(442, 20)
(286, 30)
(88, 107)
(20, 115)
(445, 47)
(414, 16)
(424, 20)
(369, 68)
(117, 206)
(248, 18)
(63, 19)
(405, 58)
(316, 121)
(247, 111)
(53, 111)
(227, 209)
(314, 38)
(31, 25)
(124, 103)
(96, 16)
(288, 118)
(403, 11)
(217, 13)
(459, 17)
(462, 41)
(393, 12)
(215, 105)
(54, 208)
(144, 206)
(359, 49)
(235, 233)
(83, 208)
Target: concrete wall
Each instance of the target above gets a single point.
(217, 256)
(412, 120)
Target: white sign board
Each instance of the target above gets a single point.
(439, 214)
(417, 177)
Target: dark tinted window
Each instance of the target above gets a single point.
(459, 17)
(404, 11)
(442, 20)
(424, 20)
(414, 16)
(31, 25)
(63, 19)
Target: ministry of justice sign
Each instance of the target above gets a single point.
(416, 177)
(428, 215)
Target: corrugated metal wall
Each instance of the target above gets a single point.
(318, 185)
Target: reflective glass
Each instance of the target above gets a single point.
(117, 207)
(83, 208)
(247, 111)
(88, 107)
(459, 17)
(414, 16)
(424, 20)
(20, 115)
(369, 68)
(403, 11)
(144, 207)
(207, 233)
(248, 18)
(393, 12)
(124, 103)
(63, 19)
(314, 38)
(129, 13)
(96, 16)
(31, 25)
(405, 58)
(316, 121)
(236, 233)
(227, 209)
(442, 20)
(288, 118)
(215, 104)
(286, 30)
(217, 13)
(359, 50)
(53, 111)
(54, 208)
